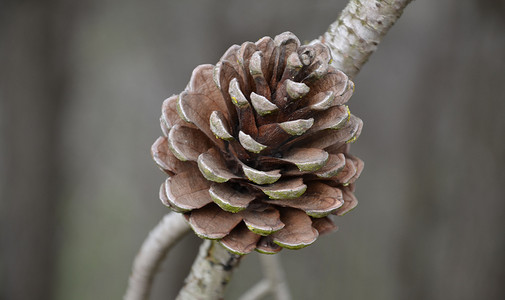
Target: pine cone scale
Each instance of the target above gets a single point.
(213, 223)
(266, 245)
(298, 232)
(229, 198)
(189, 108)
(263, 220)
(241, 240)
(318, 201)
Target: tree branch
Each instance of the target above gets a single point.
(210, 273)
(164, 236)
(358, 31)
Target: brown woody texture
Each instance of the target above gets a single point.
(257, 146)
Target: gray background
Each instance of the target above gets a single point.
(81, 87)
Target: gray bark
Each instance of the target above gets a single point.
(210, 274)
(358, 31)
(153, 251)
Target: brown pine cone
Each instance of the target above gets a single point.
(256, 147)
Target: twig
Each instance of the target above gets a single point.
(166, 234)
(275, 274)
(358, 30)
(210, 273)
(258, 291)
(273, 283)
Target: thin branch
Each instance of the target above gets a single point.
(210, 273)
(358, 31)
(258, 291)
(274, 281)
(275, 274)
(166, 234)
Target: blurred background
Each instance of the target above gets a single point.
(81, 87)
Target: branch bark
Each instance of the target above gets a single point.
(161, 239)
(357, 32)
(210, 274)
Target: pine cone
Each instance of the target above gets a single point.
(256, 147)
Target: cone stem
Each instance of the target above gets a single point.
(210, 273)
(357, 32)
(166, 234)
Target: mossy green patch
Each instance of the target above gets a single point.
(260, 231)
(352, 140)
(286, 194)
(319, 214)
(292, 247)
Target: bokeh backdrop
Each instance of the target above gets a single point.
(81, 87)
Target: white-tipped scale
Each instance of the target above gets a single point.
(262, 105)
(249, 143)
(237, 97)
(219, 126)
(297, 127)
(296, 90)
